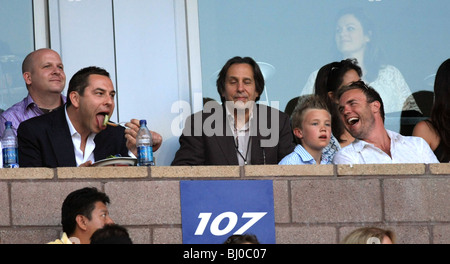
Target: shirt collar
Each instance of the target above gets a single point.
(231, 119)
(70, 240)
(395, 136)
(29, 102)
(359, 145)
(72, 129)
(304, 155)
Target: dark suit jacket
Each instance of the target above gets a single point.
(199, 148)
(45, 141)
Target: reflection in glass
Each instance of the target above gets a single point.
(356, 37)
(16, 41)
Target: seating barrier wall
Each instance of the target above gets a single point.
(313, 203)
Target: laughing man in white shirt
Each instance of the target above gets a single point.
(362, 111)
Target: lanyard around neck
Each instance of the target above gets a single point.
(237, 147)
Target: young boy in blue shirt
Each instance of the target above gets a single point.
(311, 122)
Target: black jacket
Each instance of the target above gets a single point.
(199, 148)
(45, 141)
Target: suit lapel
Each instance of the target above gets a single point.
(227, 146)
(258, 152)
(226, 142)
(255, 138)
(61, 141)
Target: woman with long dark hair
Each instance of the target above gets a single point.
(329, 79)
(355, 37)
(436, 130)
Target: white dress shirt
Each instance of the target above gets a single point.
(242, 139)
(403, 150)
(88, 154)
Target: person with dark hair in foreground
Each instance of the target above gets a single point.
(111, 234)
(242, 239)
(82, 213)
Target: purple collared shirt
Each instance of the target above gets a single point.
(21, 111)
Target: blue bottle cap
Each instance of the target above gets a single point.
(143, 121)
(8, 124)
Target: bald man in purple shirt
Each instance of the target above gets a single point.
(43, 72)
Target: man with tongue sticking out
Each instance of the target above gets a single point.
(76, 135)
(362, 111)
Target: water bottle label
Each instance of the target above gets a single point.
(10, 158)
(145, 155)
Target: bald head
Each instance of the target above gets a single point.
(43, 72)
(27, 64)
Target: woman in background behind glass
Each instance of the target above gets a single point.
(436, 130)
(355, 37)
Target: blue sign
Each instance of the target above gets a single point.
(211, 211)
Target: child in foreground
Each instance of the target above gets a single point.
(311, 122)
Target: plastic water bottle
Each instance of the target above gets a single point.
(144, 144)
(9, 147)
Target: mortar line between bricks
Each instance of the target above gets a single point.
(382, 197)
(151, 234)
(338, 234)
(427, 170)
(55, 174)
(289, 190)
(9, 189)
(431, 233)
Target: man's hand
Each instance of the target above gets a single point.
(131, 134)
(86, 164)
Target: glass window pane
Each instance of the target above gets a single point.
(16, 41)
(293, 39)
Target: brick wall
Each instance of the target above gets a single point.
(313, 204)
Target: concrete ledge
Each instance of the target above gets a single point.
(440, 168)
(27, 174)
(102, 172)
(380, 169)
(289, 170)
(195, 172)
(224, 171)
